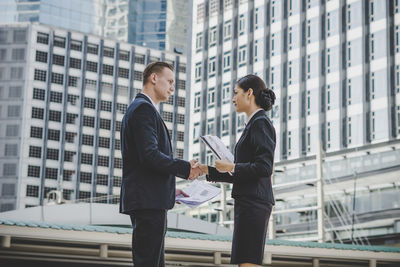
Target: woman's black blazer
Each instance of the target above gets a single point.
(254, 161)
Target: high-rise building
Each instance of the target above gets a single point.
(62, 98)
(334, 67)
(157, 24)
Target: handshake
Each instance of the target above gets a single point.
(197, 169)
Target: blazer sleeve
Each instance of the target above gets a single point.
(262, 138)
(216, 176)
(143, 129)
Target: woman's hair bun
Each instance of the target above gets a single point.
(267, 99)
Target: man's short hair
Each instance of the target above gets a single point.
(155, 67)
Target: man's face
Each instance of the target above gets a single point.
(164, 84)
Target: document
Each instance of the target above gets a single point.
(217, 147)
(199, 192)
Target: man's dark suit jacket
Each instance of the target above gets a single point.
(148, 166)
(254, 161)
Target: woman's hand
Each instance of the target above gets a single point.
(224, 166)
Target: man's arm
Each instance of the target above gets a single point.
(142, 127)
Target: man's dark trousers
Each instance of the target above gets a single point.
(149, 228)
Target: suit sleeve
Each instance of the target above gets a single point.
(143, 129)
(216, 176)
(262, 138)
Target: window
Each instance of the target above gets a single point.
(372, 125)
(59, 41)
(84, 195)
(19, 36)
(37, 113)
(180, 136)
(42, 38)
(102, 179)
(85, 177)
(211, 67)
(93, 49)
(289, 108)
(139, 59)
(76, 45)
(11, 150)
(52, 154)
(328, 137)
(16, 73)
(226, 95)
(227, 61)
(211, 97)
(210, 126)
(138, 75)
(308, 139)
(73, 81)
(104, 142)
(121, 108)
(9, 169)
(118, 126)
(71, 118)
(256, 50)
(197, 73)
(108, 69)
(75, 63)
(53, 135)
(181, 84)
(167, 116)
(197, 99)
(213, 36)
(289, 143)
(32, 191)
(33, 171)
(12, 130)
(18, 54)
(41, 56)
(199, 41)
(36, 132)
(3, 54)
(90, 103)
(349, 91)
(3, 36)
(56, 97)
(86, 158)
(124, 55)
(196, 132)
(181, 101)
(91, 66)
(8, 190)
(105, 124)
(117, 163)
(67, 193)
(57, 78)
(70, 137)
(328, 97)
(67, 175)
(106, 105)
(123, 73)
(242, 24)
(40, 75)
(15, 91)
(201, 10)
(372, 93)
(90, 84)
(55, 115)
(227, 30)
(51, 173)
(103, 161)
(13, 111)
(117, 181)
(242, 56)
(180, 118)
(225, 125)
(240, 122)
(117, 144)
(35, 151)
(38, 93)
(87, 140)
(108, 52)
(308, 102)
(58, 60)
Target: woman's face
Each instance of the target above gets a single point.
(241, 99)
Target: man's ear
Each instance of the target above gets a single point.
(153, 77)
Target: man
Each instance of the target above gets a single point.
(149, 169)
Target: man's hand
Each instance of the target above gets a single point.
(195, 171)
(224, 166)
(180, 192)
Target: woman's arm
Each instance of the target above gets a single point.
(215, 176)
(262, 138)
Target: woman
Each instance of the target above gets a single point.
(251, 172)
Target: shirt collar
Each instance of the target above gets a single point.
(156, 106)
(251, 116)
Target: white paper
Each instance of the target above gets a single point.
(199, 192)
(218, 147)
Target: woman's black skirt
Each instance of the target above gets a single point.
(250, 230)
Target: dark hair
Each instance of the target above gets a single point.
(265, 98)
(155, 67)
